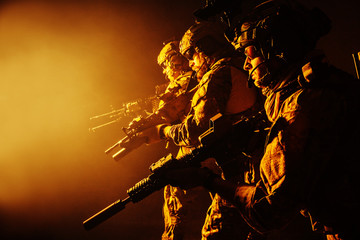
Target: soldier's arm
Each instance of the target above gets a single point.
(210, 99)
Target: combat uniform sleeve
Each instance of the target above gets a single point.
(210, 99)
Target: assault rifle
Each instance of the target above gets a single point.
(222, 141)
(135, 108)
(169, 112)
(356, 58)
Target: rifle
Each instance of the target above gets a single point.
(139, 107)
(132, 141)
(222, 141)
(356, 58)
(169, 112)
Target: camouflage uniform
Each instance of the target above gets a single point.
(223, 89)
(311, 162)
(174, 106)
(175, 101)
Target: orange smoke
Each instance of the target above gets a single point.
(62, 62)
(59, 65)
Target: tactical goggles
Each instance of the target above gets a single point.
(169, 64)
(189, 54)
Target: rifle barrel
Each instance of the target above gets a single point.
(356, 58)
(105, 214)
(117, 144)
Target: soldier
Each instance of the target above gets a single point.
(173, 102)
(222, 89)
(310, 164)
(182, 80)
(173, 107)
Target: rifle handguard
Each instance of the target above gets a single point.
(144, 188)
(127, 144)
(120, 154)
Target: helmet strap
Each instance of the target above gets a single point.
(250, 82)
(197, 72)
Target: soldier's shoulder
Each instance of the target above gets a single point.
(220, 64)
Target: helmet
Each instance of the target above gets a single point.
(173, 63)
(205, 37)
(283, 30)
(170, 49)
(227, 11)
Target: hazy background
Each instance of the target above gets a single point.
(62, 62)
